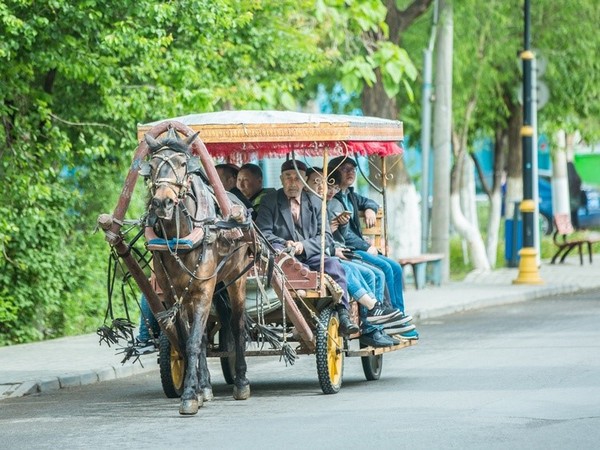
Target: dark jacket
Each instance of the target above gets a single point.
(275, 221)
(241, 197)
(353, 234)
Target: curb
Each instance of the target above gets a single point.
(498, 301)
(55, 383)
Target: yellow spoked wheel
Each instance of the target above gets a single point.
(172, 368)
(329, 352)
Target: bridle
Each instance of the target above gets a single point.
(182, 183)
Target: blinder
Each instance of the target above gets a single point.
(145, 170)
(194, 165)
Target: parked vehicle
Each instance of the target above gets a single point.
(588, 214)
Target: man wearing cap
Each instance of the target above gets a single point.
(291, 218)
(354, 203)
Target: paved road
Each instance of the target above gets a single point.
(525, 375)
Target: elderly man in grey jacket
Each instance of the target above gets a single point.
(291, 218)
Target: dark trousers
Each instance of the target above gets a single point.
(333, 268)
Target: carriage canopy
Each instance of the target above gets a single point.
(276, 133)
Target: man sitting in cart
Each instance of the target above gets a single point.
(290, 218)
(228, 174)
(314, 179)
(354, 203)
(377, 318)
(250, 182)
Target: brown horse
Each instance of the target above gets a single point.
(198, 254)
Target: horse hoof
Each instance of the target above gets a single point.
(241, 393)
(207, 395)
(188, 407)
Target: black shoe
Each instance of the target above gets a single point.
(377, 339)
(347, 327)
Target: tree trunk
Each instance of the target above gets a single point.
(560, 180)
(442, 122)
(403, 215)
(468, 201)
(495, 197)
(514, 169)
(463, 227)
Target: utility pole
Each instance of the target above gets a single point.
(442, 139)
(528, 269)
(426, 131)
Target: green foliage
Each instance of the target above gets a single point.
(76, 78)
(356, 35)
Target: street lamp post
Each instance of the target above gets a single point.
(528, 269)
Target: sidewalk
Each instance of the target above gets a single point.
(73, 361)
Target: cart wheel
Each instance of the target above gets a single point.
(372, 365)
(172, 368)
(329, 352)
(227, 362)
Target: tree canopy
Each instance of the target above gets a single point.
(76, 77)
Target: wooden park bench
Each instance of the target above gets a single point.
(427, 268)
(566, 240)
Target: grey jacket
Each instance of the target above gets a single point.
(353, 234)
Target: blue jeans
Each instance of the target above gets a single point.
(374, 277)
(393, 276)
(359, 285)
(147, 319)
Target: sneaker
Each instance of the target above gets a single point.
(397, 321)
(410, 335)
(145, 347)
(398, 329)
(382, 314)
(377, 339)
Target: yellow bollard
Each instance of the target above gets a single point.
(528, 269)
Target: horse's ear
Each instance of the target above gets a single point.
(192, 138)
(194, 165)
(153, 144)
(145, 169)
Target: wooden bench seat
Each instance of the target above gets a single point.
(426, 268)
(566, 239)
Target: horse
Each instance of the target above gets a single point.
(181, 206)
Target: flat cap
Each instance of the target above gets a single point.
(336, 163)
(289, 165)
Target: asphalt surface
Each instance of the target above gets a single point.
(524, 375)
(80, 360)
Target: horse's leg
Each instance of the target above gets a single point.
(203, 372)
(237, 296)
(189, 399)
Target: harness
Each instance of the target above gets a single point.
(204, 224)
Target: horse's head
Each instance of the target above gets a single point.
(169, 169)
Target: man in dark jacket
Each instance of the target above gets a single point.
(291, 218)
(228, 174)
(250, 183)
(354, 203)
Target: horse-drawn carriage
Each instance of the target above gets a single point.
(215, 285)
